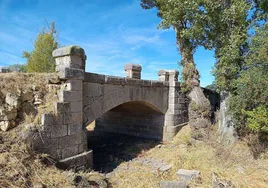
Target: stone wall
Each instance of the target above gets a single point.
(23, 101)
(63, 135)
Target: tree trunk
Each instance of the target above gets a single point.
(199, 109)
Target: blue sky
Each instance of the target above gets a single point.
(112, 33)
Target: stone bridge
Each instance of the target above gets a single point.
(126, 105)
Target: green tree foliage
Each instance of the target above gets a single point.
(18, 68)
(204, 23)
(189, 22)
(249, 97)
(40, 59)
(257, 119)
(212, 86)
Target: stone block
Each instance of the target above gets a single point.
(83, 159)
(71, 73)
(173, 184)
(94, 78)
(12, 100)
(43, 142)
(168, 136)
(131, 66)
(69, 152)
(6, 125)
(47, 119)
(76, 118)
(163, 75)
(63, 107)
(7, 114)
(170, 123)
(82, 147)
(76, 106)
(74, 85)
(71, 96)
(188, 175)
(57, 131)
(69, 51)
(97, 108)
(71, 140)
(74, 129)
(27, 96)
(89, 115)
(133, 71)
(53, 119)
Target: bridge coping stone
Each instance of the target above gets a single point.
(72, 50)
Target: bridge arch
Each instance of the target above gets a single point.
(103, 93)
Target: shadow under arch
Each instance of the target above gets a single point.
(135, 118)
(123, 132)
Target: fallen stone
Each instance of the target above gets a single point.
(37, 99)
(6, 125)
(188, 175)
(12, 100)
(218, 183)
(27, 96)
(8, 113)
(173, 184)
(165, 168)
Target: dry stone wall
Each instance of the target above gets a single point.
(23, 96)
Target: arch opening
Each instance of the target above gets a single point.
(123, 132)
(136, 118)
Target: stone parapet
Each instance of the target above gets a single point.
(106, 79)
(133, 71)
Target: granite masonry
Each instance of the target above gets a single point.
(144, 108)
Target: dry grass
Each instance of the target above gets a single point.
(36, 83)
(234, 164)
(21, 167)
(12, 82)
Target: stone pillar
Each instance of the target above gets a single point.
(133, 71)
(163, 75)
(177, 113)
(65, 127)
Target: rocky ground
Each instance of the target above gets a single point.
(134, 162)
(123, 161)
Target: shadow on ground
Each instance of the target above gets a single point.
(110, 150)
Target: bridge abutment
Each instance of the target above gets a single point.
(177, 113)
(63, 135)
